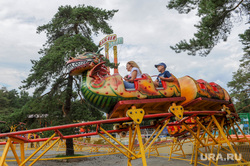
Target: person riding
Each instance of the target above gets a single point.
(163, 76)
(135, 72)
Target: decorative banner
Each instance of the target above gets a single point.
(115, 43)
(108, 38)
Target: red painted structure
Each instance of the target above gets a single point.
(163, 116)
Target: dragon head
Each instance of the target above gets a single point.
(83, 62)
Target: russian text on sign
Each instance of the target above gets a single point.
(108, 38)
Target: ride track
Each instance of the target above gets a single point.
(186, 107)
(217, 118)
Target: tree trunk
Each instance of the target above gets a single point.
(69, 147)
(69, 142)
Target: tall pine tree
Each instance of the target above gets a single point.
(217, 18)
(240, 85)
(69, 34)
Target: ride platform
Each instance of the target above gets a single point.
(150, 106)
(202, 104)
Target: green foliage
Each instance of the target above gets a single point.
(110, 64)
(4, 102)
(240, 85)
(217, 18)
(69, 34)
(84, 112)
(11, 103)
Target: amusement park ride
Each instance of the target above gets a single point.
(187, 107)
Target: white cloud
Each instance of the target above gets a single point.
(10, 77)
(148, 29)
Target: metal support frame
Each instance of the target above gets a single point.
(211, 140)
(216, 124)
(129, 152)
(10, 142)
(177, 147)
(211, 132)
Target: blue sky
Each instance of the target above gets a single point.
(148, 29)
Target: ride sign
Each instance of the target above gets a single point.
(115, 43)
(108, 38)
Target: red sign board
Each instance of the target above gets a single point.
(108, 38)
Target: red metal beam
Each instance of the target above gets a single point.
(78, 135)
(117, 120)
(125, 119)
(20, 138)
(145, 101)
(195, 105)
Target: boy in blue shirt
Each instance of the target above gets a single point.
(163, 76)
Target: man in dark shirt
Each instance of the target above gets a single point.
(163, 76)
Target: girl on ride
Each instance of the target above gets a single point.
(135, 72)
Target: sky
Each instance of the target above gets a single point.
(148, 29)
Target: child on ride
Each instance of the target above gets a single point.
(135, 72)
(163, 76)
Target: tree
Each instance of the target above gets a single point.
(240, 85)
(4, 104)
(68, 35)
(11, 103)
(217, 18)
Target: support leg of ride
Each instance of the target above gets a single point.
(192, 157)
(5, 151)
(4, 164)
(130, 145)
(171, 150)
(15, 154)
(198, 142)
(114, 144)
(137, 116)
(138, 130)
(22, 152)
(45, 151)
(162, 128)
(23, 163)
(224, 136)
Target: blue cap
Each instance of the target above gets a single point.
(161, 64)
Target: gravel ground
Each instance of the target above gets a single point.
(106, 160)
(114, 160)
